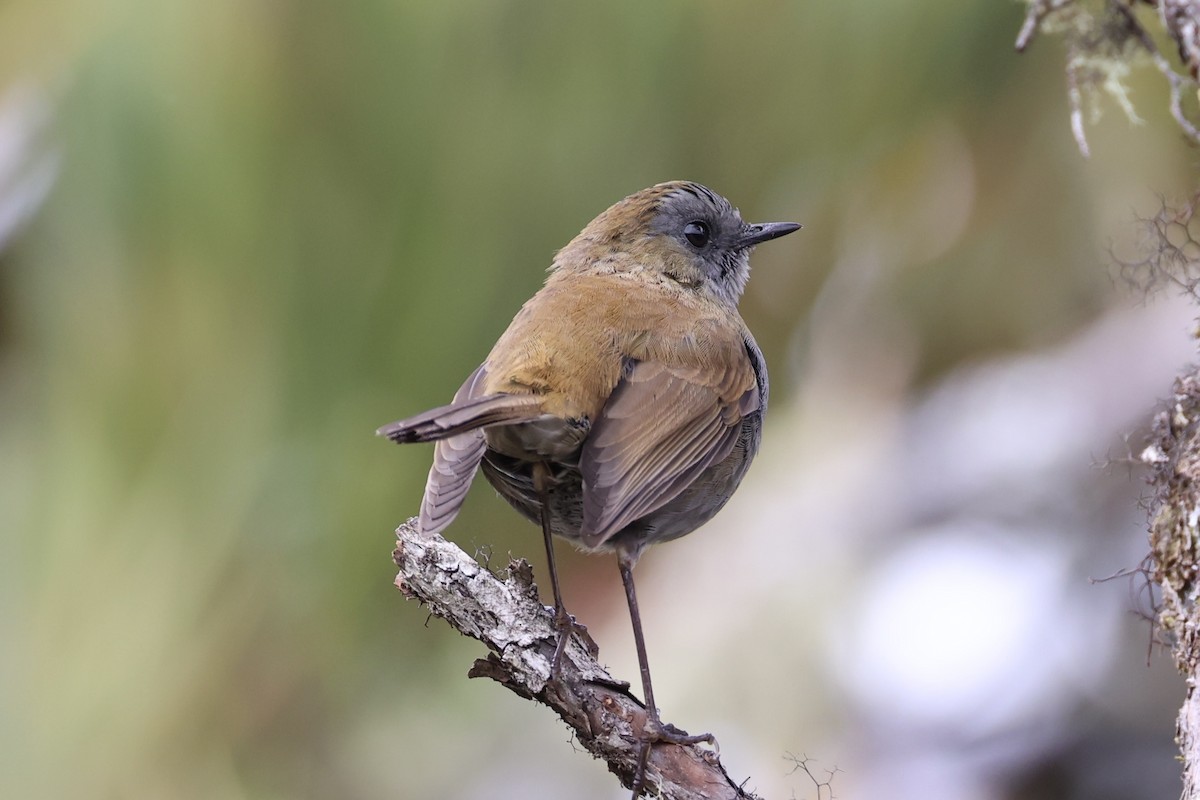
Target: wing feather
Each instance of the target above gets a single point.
(660, 429)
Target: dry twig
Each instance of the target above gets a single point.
(505, 613)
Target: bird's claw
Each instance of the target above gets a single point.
(656, 731)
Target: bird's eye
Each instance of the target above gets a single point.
(696, 232)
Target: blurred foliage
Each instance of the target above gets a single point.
(278, 225)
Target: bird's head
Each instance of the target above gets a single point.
(680, 230)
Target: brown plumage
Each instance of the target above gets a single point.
(624, 403)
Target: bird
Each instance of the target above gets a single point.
(624, 403)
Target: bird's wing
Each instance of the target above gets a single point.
(455, 460)
(660, 429)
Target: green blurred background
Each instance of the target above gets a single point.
(244, 234)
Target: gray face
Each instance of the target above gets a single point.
(705, 225)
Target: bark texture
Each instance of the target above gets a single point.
(1174, 460)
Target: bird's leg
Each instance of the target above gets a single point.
(655, 730)
(564, 623)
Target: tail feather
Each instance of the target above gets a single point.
(460, 417)
(458, 431)
(454, 463)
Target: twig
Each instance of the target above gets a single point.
(1075, 103)
(1181, 19)
(824, 786)
(1177, 28)
(505, 613)
(1036, 12)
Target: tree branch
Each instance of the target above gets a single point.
(505, 613)
(1104, 43)
(1174, 460)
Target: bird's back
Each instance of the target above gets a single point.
(574, 344)
(571, 342)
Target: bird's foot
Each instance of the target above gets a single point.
(655, 732)
(565, 625)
